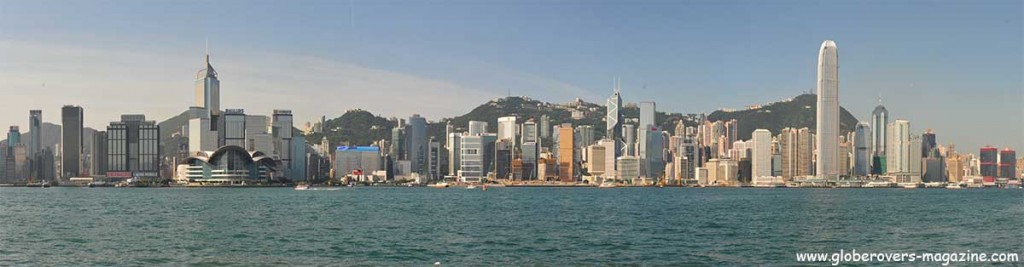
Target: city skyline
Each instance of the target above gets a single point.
(47, 72)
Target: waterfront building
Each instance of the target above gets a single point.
(416, 148)
(229, 165)
(257, 133)
(507, 128)
(955, 167)
(609, 157)
(796, 152)
(879, 124)
(233, 133)
(629, 140)
(1008, 164)
(647, 112)
(281, 132)
(201, 135)
(761, 160)
(476, 154)
(566, 153)
(72, 141)
(35, 122)
(628, 169)
(613, 120)
(300, 159)
(133, 148)
(827, 142)
(530, 151)
(928, 144)
(453, 143)
(989, 167)
(356, 160)
(100, 154)
(398, 138)
(898, 152)
(503, 158)
(862, 150)
(596, 160)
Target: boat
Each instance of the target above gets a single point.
(878, 184)
(439, 185)
(607, 185)
(484, 187)
(911, 185)
(302, 187)
(954, 186)
(471, 187)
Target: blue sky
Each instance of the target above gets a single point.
(952, 66)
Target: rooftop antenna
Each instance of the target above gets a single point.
(207, 50)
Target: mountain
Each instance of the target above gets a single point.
(355, 127)
(798, 112)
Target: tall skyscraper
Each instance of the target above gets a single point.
(233, 133)
(989, 159)
(761, 163)
(647, 111)
(566, 155)
(796, 152)
(72, 141)
(208, 88)
(417, 148)
(530, 150)
(899, 150)
(879, 123)
(613, 120)
(1008, 164)
(827, 164)
(861, 151)
(928, 144)
(281, 125)
(35, 122)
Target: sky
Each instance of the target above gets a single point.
(951, 66)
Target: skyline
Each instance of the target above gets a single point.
(273, 68)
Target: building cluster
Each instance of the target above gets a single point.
(214, 146)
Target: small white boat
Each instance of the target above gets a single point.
(953, 186)
(471, 187)
(439, 185)
(607, 185)
(302, 187)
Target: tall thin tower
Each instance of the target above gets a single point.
(827, 141)
(614, 119)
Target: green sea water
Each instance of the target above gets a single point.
(499, 227)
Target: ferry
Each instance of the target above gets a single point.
(607, 185)
(878, 184)
(911, 185)
(956, 186)
(471, 187)
(934, 185)
(302, 187)
(439, 185)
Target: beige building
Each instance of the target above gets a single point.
(796, 152)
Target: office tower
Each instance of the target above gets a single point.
(433, 160)
(300, 159)
(507, 128)
(827, 142)
(989, 163)
(566, 153)
(629, 140)
(914, 162)
(955, 167)
(796, 152)
(453, 143)
(879, 124)
(281, 130)
(208, 89)
(628, 168)
(762, 158)
(356, 160)
(653, 162)
(613, 120)
(1007, 164)
(201, 135)
(928, 145)
(545, 126)
(35, 122)
(596, 160)
(72, 141)
(862, 150)
(732, 132)
(898, 154)
(257, 137)
(13, 136)
(233, 133)
(476, 156)
(503, 158)
(585, 136)
(647, 113)
(133, 148)
(477, 127)
(530, 150)
(100, 154)
(416, 148)
(398, 139)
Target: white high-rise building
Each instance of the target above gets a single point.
(613, 120)
(827, 142)
(507, 128)
(879, 122)
(898, 151)
(862, 150)
(477, 128)
(208, 88)
(761, 162)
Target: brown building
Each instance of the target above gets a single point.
(566, 153)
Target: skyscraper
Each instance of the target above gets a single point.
(879, 123)
(1008, 164)
(566, 155)
(861, 152)
(989, 163)
(71, 150)
(133, 148)
(613, 120)
(35, 122)
(928, 143)
(647, 111)
(507, 128)
(899, 150)
(208, 88)
(281, 130)
(761, 163)
(827, 164)
(417, 144)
